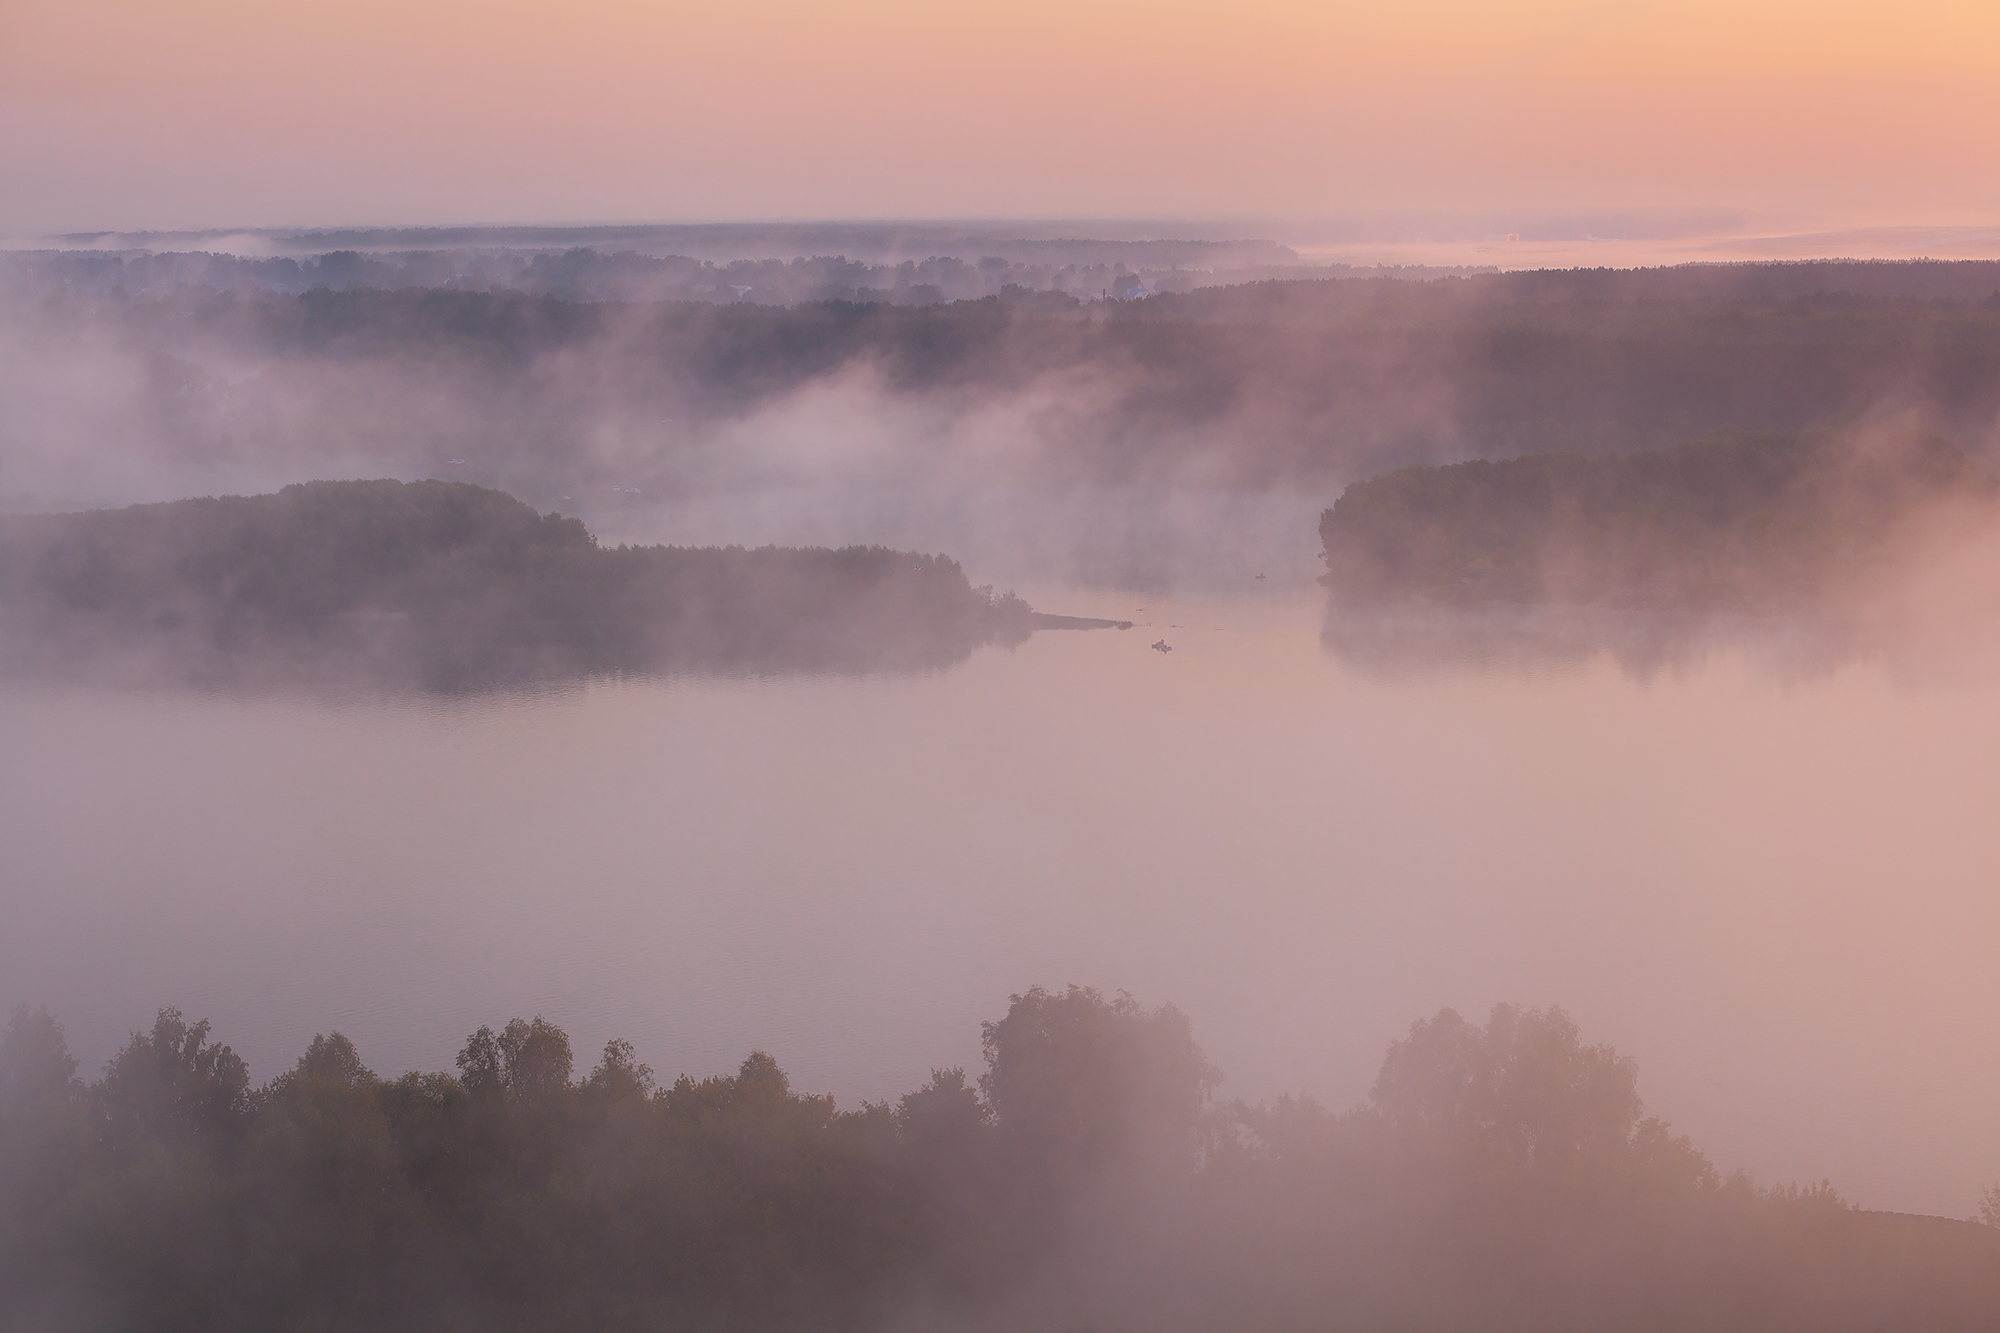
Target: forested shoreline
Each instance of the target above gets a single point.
(1299, 384)
(444, 584)
(1499, 1177)
(1765, 521)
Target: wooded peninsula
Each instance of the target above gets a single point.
(1767, 521)
(445, 584)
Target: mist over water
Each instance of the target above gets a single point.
(649, 662)
(1766, 875)
(1274, 669)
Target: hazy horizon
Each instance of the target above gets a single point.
(121, 115)
(1505, 239)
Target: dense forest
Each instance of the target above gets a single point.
(1500, 1177)
(1773, 520)
(445, 583)
(1301, 386)
(908, 265)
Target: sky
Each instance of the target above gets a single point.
(128, 114)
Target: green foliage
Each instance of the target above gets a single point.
(1301, 383)
(525, 1063)
(174, 1086)
(1524, 1084)
(1501, 1177)
(1766, 519)
(1084, 1084)
(455, 584)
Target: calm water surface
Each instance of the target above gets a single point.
(1774, 886)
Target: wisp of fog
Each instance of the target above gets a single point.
(1099, 782)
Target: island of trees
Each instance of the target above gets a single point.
(1500, 1177)
(1771, 520)
(443, 583)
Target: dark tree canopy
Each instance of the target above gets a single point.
(1764, 520)
(1499, 1178)
(1525, 1084)
(175, 1085)
(1084, 1083)
(448, 583)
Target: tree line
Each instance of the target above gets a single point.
(449, 584)
(1500, 1176)
(1299, 384)
(1770, 520)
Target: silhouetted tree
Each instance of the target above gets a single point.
(1525, 1083)
(174, 1086)
(1084, 1084)
(1500, 1178)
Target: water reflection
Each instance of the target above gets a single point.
(386, 656)
(1395, 641)
(1775, 893)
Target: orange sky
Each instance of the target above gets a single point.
(135, 113)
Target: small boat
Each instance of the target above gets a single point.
(1163, 647)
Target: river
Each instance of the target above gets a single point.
(1772, 880)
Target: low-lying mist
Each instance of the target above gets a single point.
(1498, 1176)
(1149, 443)
(1651, 675)
(1808, 550)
